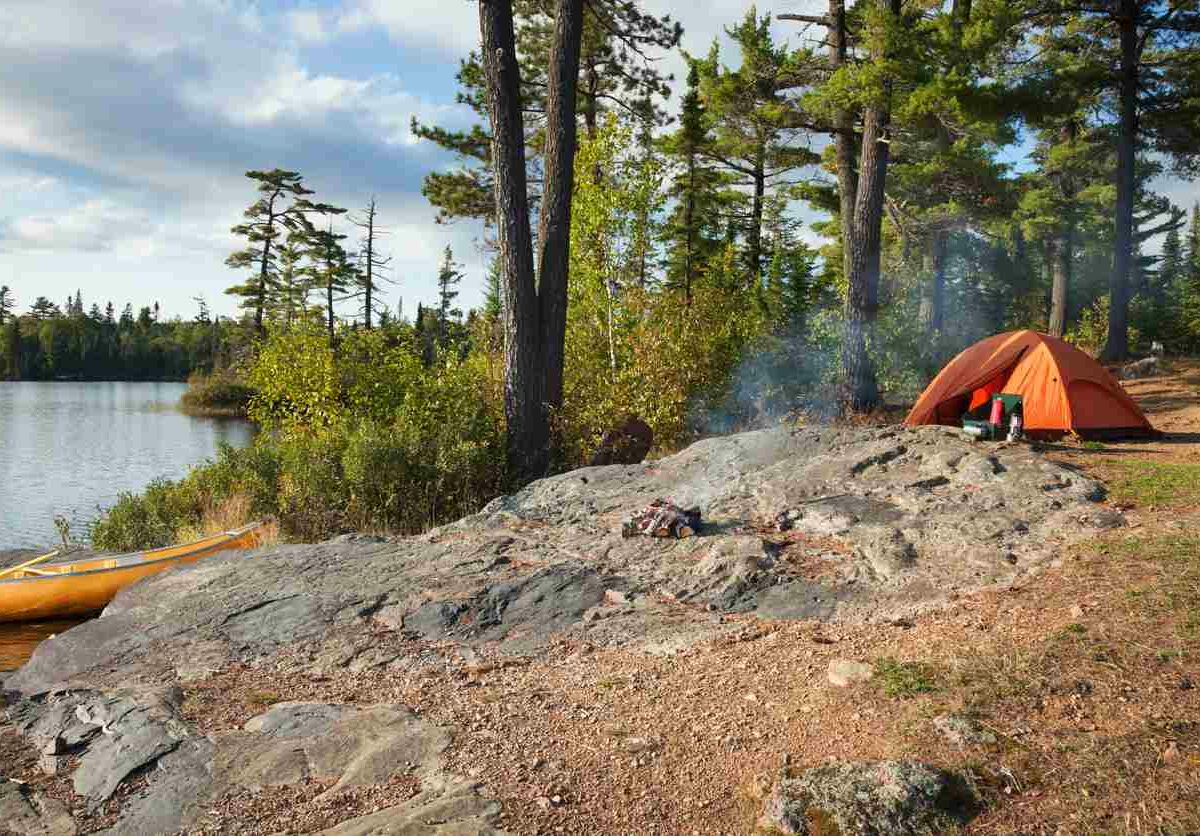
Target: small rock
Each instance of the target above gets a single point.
(1171, 753)
(845, 672)
(639, 744)
(1076, 612)
(962, 731)
(543, 802)
(614, 598)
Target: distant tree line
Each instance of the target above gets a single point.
(74, 342)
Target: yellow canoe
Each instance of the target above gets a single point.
(83, 587)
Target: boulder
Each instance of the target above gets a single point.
(884, 798)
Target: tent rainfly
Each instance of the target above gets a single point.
(1063, 389)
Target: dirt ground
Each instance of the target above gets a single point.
(1085, 680)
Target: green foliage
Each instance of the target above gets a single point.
(905, 679)
(218, 393)
(50, 342)
(146, 520)
(364, 438)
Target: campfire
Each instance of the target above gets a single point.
(663, 518)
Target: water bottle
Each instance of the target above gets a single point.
(1014, 427)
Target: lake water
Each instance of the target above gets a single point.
(71, 448)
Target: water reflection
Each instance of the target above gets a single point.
(18, 641)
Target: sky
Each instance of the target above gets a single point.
(126, 127)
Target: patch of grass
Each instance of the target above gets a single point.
(262, 698)
(1168, 484)
(905, 679)
(607, 683)
(1093, 445)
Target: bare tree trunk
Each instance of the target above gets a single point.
(860, 389)
(528, 425)
(370, 285)
(554, 223)
(1117, 346)
(1063, 257)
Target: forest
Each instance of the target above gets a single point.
(814, 226)
(67, 342)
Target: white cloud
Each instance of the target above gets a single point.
(451, 26)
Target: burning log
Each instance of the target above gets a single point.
(663, 518)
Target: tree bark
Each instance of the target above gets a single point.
(754, 233)
(1117, 345)
(554, 222)
(1063, 257)
(844, 139)
(860, 389)
(689, 213)
(528, 425)
(370, 286)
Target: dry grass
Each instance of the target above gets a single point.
(230, 513)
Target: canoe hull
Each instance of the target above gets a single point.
(85, 587)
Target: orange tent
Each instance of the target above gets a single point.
(1063, 389)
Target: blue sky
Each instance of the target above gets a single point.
(126, 127)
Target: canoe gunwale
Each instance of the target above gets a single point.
(215, 542)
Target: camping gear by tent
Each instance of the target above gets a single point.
(1063, 390)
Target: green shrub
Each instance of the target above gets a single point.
(146, 520)
(219, 393)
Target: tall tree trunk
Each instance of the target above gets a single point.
(689, 212)
(1117, 346)
(370, 286)
(844, 140)
(754, 233)
(860, 389)
(554, 222)
(528, 424)
(1063, 259)
(1061, 266)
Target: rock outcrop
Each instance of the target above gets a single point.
(880, 523)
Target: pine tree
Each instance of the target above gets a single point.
(447, 316)
(110, 313)
(282, 208)
(11, 344)
(755, 128)
(295, 282)
(611, 73)
(330, 269)
(1189, 286)
(43, 309)
(693, 232)
(7, 303)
